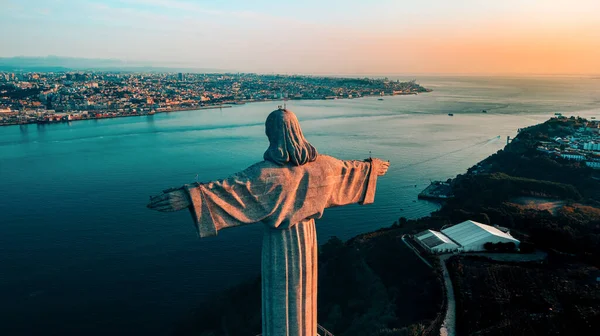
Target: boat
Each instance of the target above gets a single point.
(451, 114)
(484, 111)
(593, 117)
(379, 98)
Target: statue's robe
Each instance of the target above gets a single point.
(287, 199)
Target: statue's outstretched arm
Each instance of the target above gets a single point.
(356, 181)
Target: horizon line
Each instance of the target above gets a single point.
(157, 64)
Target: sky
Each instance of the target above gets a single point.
(315, 36)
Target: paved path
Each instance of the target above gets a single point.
(449, 325)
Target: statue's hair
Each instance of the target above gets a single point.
(286, 141)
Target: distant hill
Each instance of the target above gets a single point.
(59, 63)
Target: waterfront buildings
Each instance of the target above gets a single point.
(582, 146)
(38, 97)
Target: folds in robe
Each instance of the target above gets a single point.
(280, 196)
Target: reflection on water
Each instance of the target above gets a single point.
(24, 130)
(80, 253)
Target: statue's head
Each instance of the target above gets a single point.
(286, 141)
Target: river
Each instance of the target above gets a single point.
(81, 254)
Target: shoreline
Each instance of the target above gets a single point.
(122, 115)
(195, 108)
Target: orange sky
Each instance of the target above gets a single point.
(486, 52)
(316, 36)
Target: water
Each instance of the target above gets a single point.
(80, 253)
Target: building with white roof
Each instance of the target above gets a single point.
(468, 236)
(471, 236)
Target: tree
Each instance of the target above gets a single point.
(526, 247)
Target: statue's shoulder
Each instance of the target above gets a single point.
(259, 167)
(329, 162)
(327, 159)
(325, 164)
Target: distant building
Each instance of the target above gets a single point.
(180, 76)
(571, 156)
(593, 164)
(591, 146)
(468, 236)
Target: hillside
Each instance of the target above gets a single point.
(557, 297)
(371, 285)
(491, 190)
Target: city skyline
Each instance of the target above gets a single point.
(350, 37)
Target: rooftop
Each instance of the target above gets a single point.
(432, 238)
(470, 231)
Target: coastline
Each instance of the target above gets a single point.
(193, 108)
(121, 115)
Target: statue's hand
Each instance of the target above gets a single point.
(174, 199)
(381, 166)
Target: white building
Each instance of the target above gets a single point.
(593, 164)
(436, 242)
(591, 146)
(471, 236)
(576, 157)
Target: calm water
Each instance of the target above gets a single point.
(80, 253)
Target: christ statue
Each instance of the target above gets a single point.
(285, 192)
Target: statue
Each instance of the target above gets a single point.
(286, 192)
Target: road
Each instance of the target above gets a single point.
(449, 325)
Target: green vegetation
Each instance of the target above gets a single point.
(553, 298)
(499, 247)
(371, 285)
(531, 164)
(489, 189)
(13, 92)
